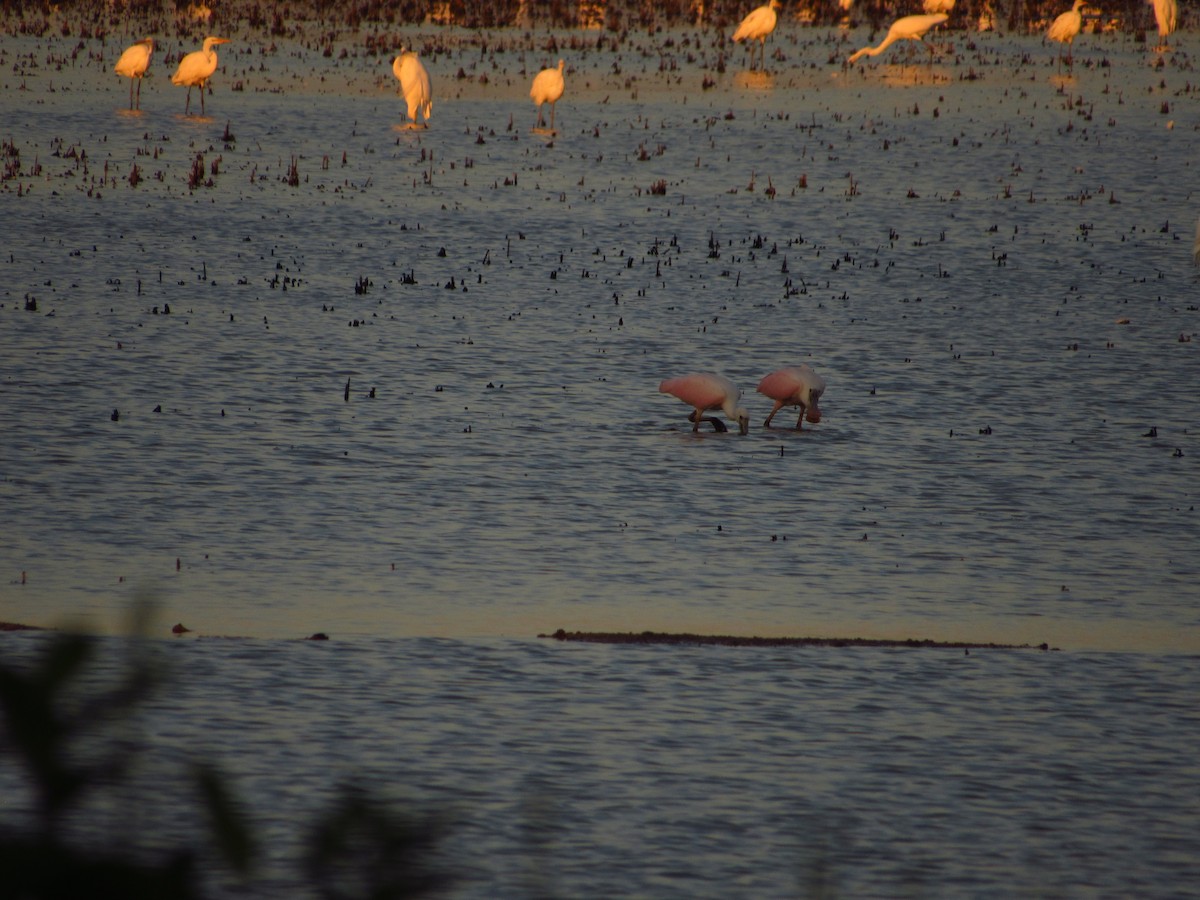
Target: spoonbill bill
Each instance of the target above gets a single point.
(196, 68)
(906, 28)
(133, 65)
(414, 85)
(794, 386)
(757, 26)
(708, 391)
(548, 87)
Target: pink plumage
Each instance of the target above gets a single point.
(794, 386)
(708, 391)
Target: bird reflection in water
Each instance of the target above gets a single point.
(754, 81)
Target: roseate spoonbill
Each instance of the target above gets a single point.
(196, 68)
(1065, 28)
(414, 84)
(133, 65)
(757, 26)
(547, 87)
(707, 391)
(794, 386)
(907, 28)
(1166, 16)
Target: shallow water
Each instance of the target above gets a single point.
(650, 771)
(966, 240)
(956, 248)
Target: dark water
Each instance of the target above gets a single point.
(697, 772)
(990, 263)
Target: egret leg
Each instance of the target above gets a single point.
(552, 116)
(202, 99)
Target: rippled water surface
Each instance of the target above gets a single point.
(411, 401)
(990, 263)
(650, 771)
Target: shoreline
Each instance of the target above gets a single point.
(655, 637)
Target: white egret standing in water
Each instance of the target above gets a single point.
(548, 87)
(1065, 28)
(757, 26)
(1166, 17)
(414, 84)
(133, 65)
(196, 68)
(907, 28)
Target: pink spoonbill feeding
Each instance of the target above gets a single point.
(196, 68)
(133, 65)
(708, 391)
(794, 386)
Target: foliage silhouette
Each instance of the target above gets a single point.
(65, 723)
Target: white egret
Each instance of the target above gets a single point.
(133, 65)
(1065, 28)
(907, 28)
(548, 87)
(757, 26)
(414, 84)
(196, 68)
(937, 6)
(1166, 17)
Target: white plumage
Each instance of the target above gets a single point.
(907, 28)
(196, 68)
(757, 26)
(415, 86)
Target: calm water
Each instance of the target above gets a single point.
(988, 261)
(589, 771)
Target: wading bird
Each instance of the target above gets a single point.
(708, 391)
(414, 85)
(794, 386)
(757, 26)
(133, 65)
(1065, 28)
(1166, 17)
(548, 87)
(908, 28)
(196, 68)
(937, 6)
